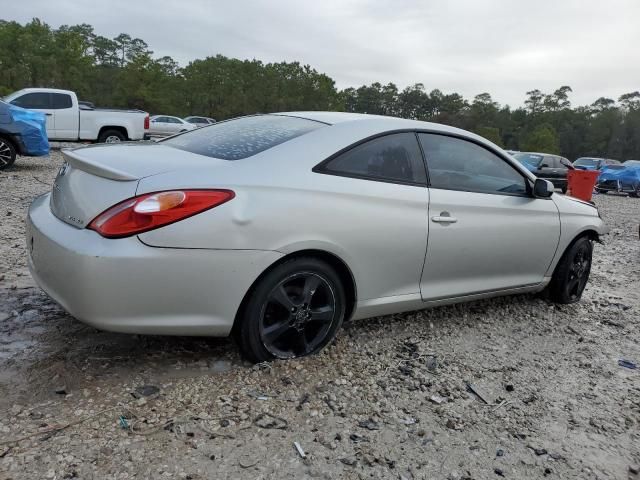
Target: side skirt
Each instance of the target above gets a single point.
(405, 303)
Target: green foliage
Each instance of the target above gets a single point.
(542, 138)
(123, 72)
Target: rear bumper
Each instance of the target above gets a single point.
(124, 285)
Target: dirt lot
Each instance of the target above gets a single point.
(388, 400)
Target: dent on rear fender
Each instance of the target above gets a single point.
(241, 211)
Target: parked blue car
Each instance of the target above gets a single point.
(620, 178)
(21, 131)
(592, 163)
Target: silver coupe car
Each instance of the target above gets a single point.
(277, 228)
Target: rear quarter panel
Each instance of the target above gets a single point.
(378, 229)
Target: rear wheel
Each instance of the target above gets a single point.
(295, 310)
(111, 136)
(599, 190)
(572, 272)
(7, 153)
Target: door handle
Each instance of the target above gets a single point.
(444, 219)
(49, 114)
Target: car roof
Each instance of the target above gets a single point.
(540, 153)
(382, 122)
(44, 90)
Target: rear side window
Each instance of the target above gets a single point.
(60, 101)
(456, 164)
(242, 137)
(393, 158)
(33, 100)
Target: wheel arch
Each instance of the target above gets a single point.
(120, 129)
(340, 266)
(9, 138)
(591, 233)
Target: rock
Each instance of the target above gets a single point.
(538, 450)
(146, 391)
(16, 409)
(369, 424)
(351, 461)
(437, 399)
(508, 387)
(62, 390)
(634, 469)
(431, 363)
(499, 453)
(499, 472)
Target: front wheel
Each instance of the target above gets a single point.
(7, 154)
(111, 136)
(564, 189)
(572, 272)
(295, 310)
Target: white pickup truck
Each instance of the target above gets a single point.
(70, 120)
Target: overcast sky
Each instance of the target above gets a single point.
(504, 47)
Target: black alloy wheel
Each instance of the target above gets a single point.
(572, 273)
(295, 310)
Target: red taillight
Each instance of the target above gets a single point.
(146, 122)
(153, 210)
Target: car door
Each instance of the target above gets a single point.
(175, 125)
(40, 101)
(487, 232)
(546, 168)
(157, 126)
(377, 212)
(67, 118)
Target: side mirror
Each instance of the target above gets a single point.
(542, 188)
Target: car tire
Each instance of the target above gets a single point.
(294, 310)
(111, 136)
(564, 189)
(7, 153)
(599, 190)
(572, 272)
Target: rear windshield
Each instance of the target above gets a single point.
(242, 137)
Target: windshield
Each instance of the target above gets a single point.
(242, 137)
(587, 162)
(630, 163)
(529, 159)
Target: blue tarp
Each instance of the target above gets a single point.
(628, 174)
(32, 127)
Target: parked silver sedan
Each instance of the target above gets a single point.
(277, 228)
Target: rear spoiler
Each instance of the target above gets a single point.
(74, 159)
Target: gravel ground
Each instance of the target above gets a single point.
(387, 400)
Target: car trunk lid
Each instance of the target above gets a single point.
(95, 178)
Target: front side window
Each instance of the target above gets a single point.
(173, 120)
(456, 164)
(243, 137)
(60, 101)
(394, 158)
(37, 100)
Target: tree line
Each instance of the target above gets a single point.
(124, 72)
